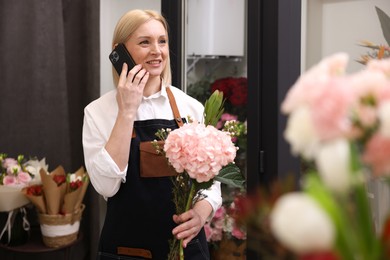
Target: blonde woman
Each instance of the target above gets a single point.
(140, 218)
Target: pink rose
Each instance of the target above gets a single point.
(9, 180)
(24, 178)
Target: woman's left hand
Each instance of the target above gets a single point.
(191, 222)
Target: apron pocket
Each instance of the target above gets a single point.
(152, 163)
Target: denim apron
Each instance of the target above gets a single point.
(138, 223)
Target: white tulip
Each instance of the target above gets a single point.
(333, 163)
(300, 133)
(301, 225)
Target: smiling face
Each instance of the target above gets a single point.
(148, 45)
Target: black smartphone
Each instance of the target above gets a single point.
(120, 55)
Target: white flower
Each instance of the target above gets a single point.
(299, 223)
(333, 160)
(34, 166)
(384, 118)
(300, 133)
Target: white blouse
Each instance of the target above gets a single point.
(99, 119)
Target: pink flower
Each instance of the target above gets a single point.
(24, 178)
(199, 150)
(306, 86)
(377, 154)
(8, 162)
(225, 117)
(238, 233)
(220, 213)
(330, 108)
(9, 180)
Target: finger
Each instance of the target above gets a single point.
(133, 72)
(139, 76)
(122, 76)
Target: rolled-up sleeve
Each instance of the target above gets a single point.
(104, 174)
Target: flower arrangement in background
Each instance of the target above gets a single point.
(341, 123)
(235, 91)
(16, 174)
(224, 225)
(378, 51)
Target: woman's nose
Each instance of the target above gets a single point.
(155, 49)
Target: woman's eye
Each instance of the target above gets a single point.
(163, 41)
(144, 42)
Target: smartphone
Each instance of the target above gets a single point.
(119, 56)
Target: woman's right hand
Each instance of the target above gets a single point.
(130, 89)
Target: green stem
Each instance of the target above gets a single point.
(188, 206)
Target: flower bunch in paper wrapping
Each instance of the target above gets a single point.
(59, 193)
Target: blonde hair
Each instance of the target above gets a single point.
(130, 22)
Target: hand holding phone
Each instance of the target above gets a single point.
(119, 56)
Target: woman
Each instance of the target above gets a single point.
(140, 218)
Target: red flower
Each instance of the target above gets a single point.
(239, 94)
(224, 85)
(75, 185)
(235, 90)
(34, 190)
(59, 179)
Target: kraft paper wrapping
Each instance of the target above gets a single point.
(70, 201)
(81, 172)
(11, 198)
(54, 194)
(37, 201)
(73, 199)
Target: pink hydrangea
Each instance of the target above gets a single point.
(199, 150)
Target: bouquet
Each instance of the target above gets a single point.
(341, 124)
(15, 174)
(59, 193)
(201, 154)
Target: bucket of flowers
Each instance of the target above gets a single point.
(58, 201)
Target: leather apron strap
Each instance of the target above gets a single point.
(175, 110)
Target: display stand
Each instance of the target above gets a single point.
(34, 249)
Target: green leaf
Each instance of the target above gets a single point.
(231, 176)
(213, 108)
(203, 185)
(385, 23)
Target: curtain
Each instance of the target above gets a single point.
(49, 71)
